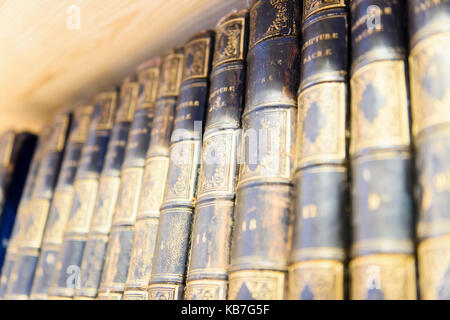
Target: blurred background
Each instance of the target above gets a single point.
(59, 53)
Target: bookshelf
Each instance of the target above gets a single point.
(46, 65)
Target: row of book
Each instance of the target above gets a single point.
(294, 153)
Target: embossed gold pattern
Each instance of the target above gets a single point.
(321, 124)
(35, 223)
(85, 194)
(149, 84)
(257, 285)
(155, 177)
(171, 75)
(196, 59)
(82, 121)
(59, 213)
(229, 41)
(206, 290)
(383, 277)
(128, 100)
(379, 107)
(108, 103)
(165, 292)
(58, 135)
(430, 82)
(105, 204)
(127, 203)
(310, 7)
(434, 268)
(316, 280)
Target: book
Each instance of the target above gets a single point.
(429, 62)
(16, 151)
(21, 279)
(207, 272)
(172, 242)
(118, 250)
(316, 269)
(261, 231)
(155, 175)
(61, 203)
(12, 250)
(382, 262)
(65, 277)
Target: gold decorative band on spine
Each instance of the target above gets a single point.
(434, 268)
(316, 280)
(206, 290)
(430, 86)
(257, 285)
(109, 296)
(35, 223)
(383, 277)
(165, 291)
(135, 295)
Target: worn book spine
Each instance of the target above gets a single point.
(65, 277)
(61, 203)
(172, 244)
(207, 276)
(11, 253)
(118, 251)
(22, 275)
(316, 269)
(95, 236)
(429, 65)
(16, 151)
(382, 262)
(261, 232)
(154, 179)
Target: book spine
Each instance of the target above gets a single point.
(429, 63)
(316, 270)
(16, 150)
(117, 260)
(85, 188)
(261, 232)
(11, 253)
(211, 231)
(20, 283)
(382, 251)
(172, 242)
(154, 180)
(61, 204)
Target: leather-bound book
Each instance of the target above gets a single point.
(261, 232)
(118, 251)
(65, 277)
(16, 152)
(154, 180)
(12, 251)
(207, 276)
(61, 203)
(382, 262)
(429, 66)
(172, 243)
(22, 275)
(316, 269)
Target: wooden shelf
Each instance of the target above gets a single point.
(45, 65)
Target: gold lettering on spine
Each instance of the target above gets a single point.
(383, 277)
(379, 107)
(430, 82)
